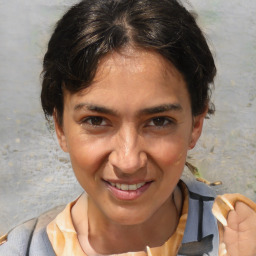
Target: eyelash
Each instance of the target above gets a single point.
(89, 121)
(164, 122)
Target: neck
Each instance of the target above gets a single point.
(109, 237)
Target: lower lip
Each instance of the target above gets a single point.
(128, 194)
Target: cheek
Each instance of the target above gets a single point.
(87, 155)
(170, 152)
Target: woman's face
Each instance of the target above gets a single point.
(128, 135)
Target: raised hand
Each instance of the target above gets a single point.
(240, 233)
(238, 217)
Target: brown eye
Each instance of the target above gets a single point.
(95, 121)
(159, 121)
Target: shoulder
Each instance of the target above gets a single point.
(201, 231)
(30, 237)
(17, 240)
(199, 188)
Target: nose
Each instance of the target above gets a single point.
(127, 155)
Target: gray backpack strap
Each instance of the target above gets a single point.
(40, 244)
(30, 238)
(201, 236)
(18, 240)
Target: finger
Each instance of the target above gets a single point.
(221, 208)
(244, 212)
(233, 220)
(245, 218)
(234, 198)
(225, 203)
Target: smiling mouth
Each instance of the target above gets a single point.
(123, 191)
(127, 187)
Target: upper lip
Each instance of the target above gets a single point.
(128, 182)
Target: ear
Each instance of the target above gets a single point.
(60, 133)
(198, 122)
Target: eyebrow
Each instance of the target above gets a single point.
(161, 109)
(147, 111)
(95, 108)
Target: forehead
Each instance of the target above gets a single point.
(133, 78)
(136, 62)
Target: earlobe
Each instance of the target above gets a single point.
(197, 128)
(60, 133)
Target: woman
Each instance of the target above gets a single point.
(128, 85)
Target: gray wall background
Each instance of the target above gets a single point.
(35, 175)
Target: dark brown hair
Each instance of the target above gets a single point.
(93, 28)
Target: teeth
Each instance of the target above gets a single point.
(141, 184)
(126, 187)
(132, 187)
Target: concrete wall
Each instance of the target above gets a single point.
(35, 175)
